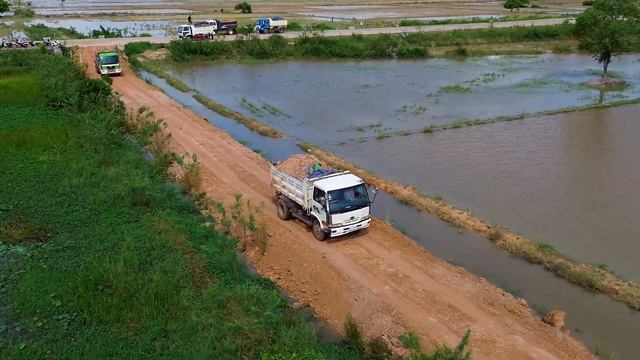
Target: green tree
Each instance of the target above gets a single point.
(4, 6)
(609, 28)
(244, 7)
(515, 4)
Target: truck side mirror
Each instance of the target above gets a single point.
(374, 191)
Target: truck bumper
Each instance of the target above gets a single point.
(342, 230)
(110, 71)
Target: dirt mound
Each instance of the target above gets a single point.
(555, 318)
(606, 83)
(157, 54)
(298, 165)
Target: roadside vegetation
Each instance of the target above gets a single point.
(594, 278)
(402, 46)
(102, 255)
(109, 250)
(475, 20)
(40, 31)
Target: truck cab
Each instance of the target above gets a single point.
(108, 63)
(341, 204)
(331, 202)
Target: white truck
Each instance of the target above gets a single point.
(332, 203)
(207, 29)
(199, 30)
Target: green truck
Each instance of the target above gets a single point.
(108, 63)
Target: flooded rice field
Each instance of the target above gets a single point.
(571, 180)
(333, 102)
(87, 7)
(129, 28)
(598, 321)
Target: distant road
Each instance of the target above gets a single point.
(342, 32)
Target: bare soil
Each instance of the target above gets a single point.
(298, 165)
(385, 280)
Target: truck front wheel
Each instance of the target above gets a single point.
(317, 230)
(283, 210)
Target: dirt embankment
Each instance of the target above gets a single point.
(389, 283)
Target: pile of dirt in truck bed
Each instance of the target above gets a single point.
(297, 165)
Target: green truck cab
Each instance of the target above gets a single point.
(108, 63)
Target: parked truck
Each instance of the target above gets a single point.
(207, 29)
(227, 26)
(271, 25)
(199, 31)
(331, 202)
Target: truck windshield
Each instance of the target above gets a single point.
(108, 59)
(348, 199)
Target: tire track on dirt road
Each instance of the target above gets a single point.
(387, 281)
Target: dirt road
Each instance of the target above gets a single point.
(345, 32)
(389, 283)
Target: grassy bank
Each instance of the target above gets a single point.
(100, 256)
(591, 277)
(401, 46)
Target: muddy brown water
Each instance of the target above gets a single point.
(595, 319)
(571, 180)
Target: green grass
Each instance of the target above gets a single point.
(456, 89)
(19, 88)
(102, 258)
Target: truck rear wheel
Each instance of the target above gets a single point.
(283, 210)
(317, 230)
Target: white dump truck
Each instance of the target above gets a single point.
(200, 30)
(331, 202)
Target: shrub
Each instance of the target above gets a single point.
(24, 12)
(244, 7)
(40, 31)
(107, 32)
(4, 6)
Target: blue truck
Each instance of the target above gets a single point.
(271, 25)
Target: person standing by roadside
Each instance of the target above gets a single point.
(189, 19)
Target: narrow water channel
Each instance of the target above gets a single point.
(598, 321)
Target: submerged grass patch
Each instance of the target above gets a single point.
(456, 89)
(253, 124)
(591, 277)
